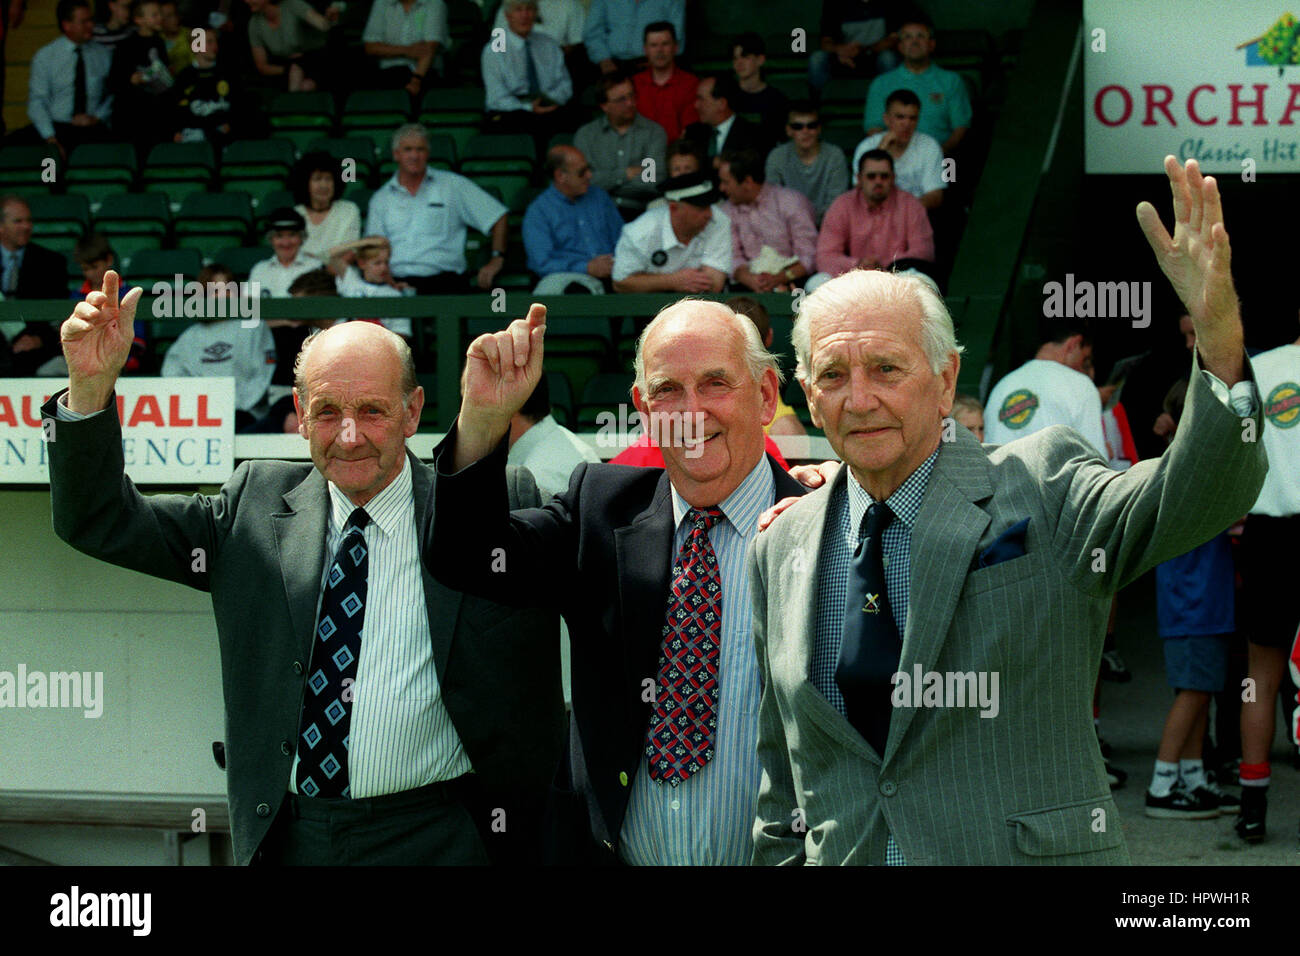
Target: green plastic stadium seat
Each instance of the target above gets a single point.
(59, 216)
(499, 153)
(98, 169)
(162, 265)
(241, 259)
(208, 220)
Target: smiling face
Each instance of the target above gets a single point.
(320, 189)
(355, 416)
(803, 129)
(286, 243)
(698, 386)
(739, 193)
(871, 388)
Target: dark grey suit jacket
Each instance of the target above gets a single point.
(264, 535)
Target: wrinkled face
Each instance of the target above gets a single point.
(679, 164)
(871, 389)
(16, 226)
(573, 179)
(745, 64)
(320, 189)
(148, 17)
(915, 43)
(355, 417)
(739, 193)
(660, 49)
(712, 111)
(804, 129)
(704, 403)
(689, 219)
(901, 121)
(521, 18)
(620, 104)
(412, 155)
(81, 27)
(876, 180)
(286, 243)
(375, 269)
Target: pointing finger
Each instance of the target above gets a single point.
(110, 288)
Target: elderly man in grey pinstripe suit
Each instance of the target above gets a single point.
(998, 565)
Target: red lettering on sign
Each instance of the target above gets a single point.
(174, 413)
(7, 412)
(1160, 103)
(146, 410)
(204, 421)
(1292, 106)
(1191, 106)
(1257, 102)
(29, 417)
(1128, 105)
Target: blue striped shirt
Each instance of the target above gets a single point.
(708, 819)
(843, 531)
(402, 735)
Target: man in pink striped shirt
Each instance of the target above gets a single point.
(761, 215)
(872, 226)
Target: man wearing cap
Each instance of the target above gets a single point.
(285, 231)
(684, 246)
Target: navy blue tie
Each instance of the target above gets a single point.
(870, 649)
(327, 702)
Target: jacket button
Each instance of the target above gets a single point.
(297, 667)
(888, 788)
(263, 809)
(285, 748)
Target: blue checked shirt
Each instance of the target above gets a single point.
(708, 819)
(845, 517)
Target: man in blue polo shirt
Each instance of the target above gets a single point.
(424, 213)
(570, 230)
(945, 104)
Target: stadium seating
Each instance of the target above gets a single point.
(208, 219)
(101, 169)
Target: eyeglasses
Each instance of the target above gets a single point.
(798, 126)
(877, 175)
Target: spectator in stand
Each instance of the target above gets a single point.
(29, 271)
(773, 235)
(858, 38)
(571, 229)
(527, 84)
(546, 448)
(918, 159)
(1271, 599)
(363, 271)
(287, 39)
(719, 127)
(222, 348)
(755, 96)
(285, 232)
(681, 247)
(874, 226)
(404, 40)
(117, 27)
(317, 185)
(784, 421)
(141, 80)
(561, 20)
(969, 413)
(204, 97)
(95, 256)
(68, 100)
(618, 143)
(684, 157)
(176, 37)
(945, 104)
(425, 212)
(665, 93)
(816, 169)
(615, 31)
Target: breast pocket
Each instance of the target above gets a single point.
(1005, 574)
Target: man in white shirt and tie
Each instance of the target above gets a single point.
(67, 99)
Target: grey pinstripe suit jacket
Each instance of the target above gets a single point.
(1028, 785)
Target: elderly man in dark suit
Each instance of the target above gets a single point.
(29, 271)
(648, 569)
(372, 715)
(930, 624)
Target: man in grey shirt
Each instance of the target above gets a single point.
(618, 144)
(818, 170)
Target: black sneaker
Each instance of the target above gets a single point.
(1114, 668)
(1178, 804)
(1225, 801)
(1114, 776)
(1254, 804)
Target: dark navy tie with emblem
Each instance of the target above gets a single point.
(685, 715)
(327, 702)
(870, 650)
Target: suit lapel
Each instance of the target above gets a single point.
(300, 546)
(442, 605)
(944, 540)
(644, 553)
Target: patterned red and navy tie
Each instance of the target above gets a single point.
(685, 714)
(327, 703)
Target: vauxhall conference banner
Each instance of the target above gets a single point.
(1214, 81)
(174, 430)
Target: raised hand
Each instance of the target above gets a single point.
(501, 371)
(96, 343)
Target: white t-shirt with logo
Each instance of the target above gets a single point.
(225, 350)
(1039, 394)
(1277, 375)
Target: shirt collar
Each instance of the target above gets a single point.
(429, 178)
(725, 126)
(386, 509)
(743, 506)
(905, 502)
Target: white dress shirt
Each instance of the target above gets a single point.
(505, 72)
(50, 86)
(652, 232)
(427, 230)
(273, 278)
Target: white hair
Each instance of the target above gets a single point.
(757, 358)
(866, 289)
(410, 129)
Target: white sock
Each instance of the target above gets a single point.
(1192, 772)
(1164, 778)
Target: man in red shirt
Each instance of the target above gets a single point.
(665, 93)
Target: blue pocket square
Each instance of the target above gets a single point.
(1010, 544)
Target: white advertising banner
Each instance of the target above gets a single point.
(174, 430)
(1200, 79)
